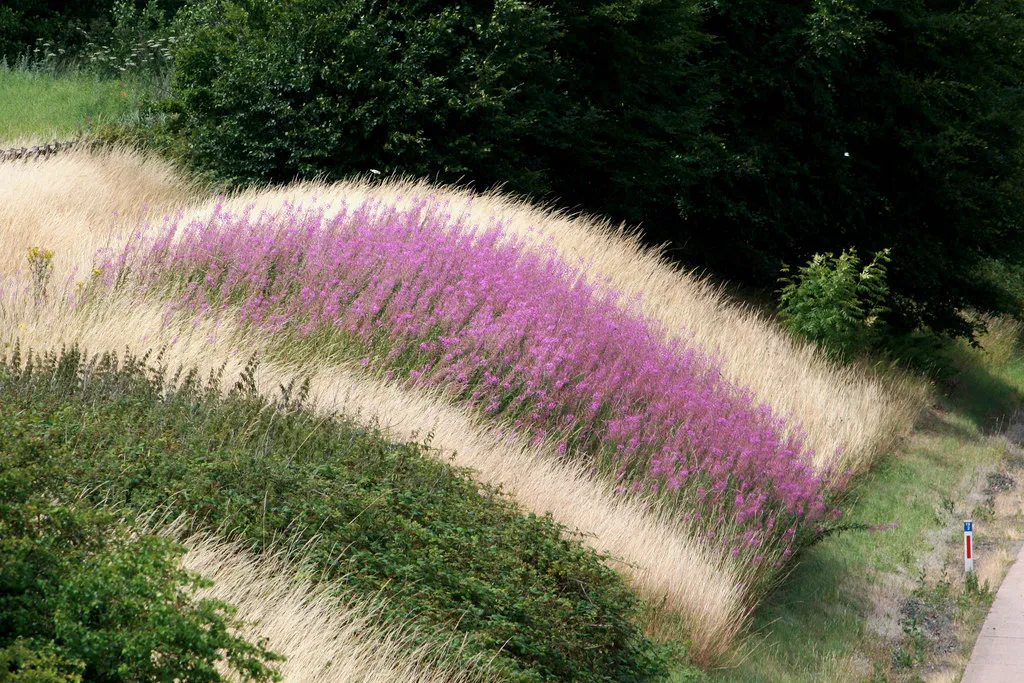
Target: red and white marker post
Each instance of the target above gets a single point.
(968, 546)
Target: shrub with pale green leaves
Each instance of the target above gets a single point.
(836, 303)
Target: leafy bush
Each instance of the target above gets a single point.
(383, 518)
(83, 598)
(834, 302)
(588, 100)
(23, 662)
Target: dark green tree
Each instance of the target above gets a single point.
(747, 134)
(22, 22)
(585, 101)
(66, 24)
(872, 123)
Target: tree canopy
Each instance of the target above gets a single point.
(584, 101)
(867, 123)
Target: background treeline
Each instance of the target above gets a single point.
(747, 135)
(67, 25)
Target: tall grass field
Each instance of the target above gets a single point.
(695, 445)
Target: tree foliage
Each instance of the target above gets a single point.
(871, 123)
(67, 25)
(748, 135)
(584, 100)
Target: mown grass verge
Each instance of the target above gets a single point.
(892, 604)
(382, 519)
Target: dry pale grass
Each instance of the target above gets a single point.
(660, 559)
(78, 202)
(847, 668)
(956, 664)
(992, 567)
(324, 636)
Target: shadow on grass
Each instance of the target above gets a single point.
(988, 398)
(815, 597)
(941, 423)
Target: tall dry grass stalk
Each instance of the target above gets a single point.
(850, 416)
(662, 561)
(78, 202)
(324, 636)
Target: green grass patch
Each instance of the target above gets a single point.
(379, 518)
(39, 104)
(867, 605)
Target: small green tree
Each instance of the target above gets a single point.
(834, 302)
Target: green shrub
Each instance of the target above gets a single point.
(834, 302)
(384, 519)
(32, 662)
(588, 100)
(83, 598)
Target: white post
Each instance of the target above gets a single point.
(968, 546)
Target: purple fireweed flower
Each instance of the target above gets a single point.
(516, 333)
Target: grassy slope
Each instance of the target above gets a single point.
(842, 407)
(874, 605)
(37, 104)
(822, 623)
